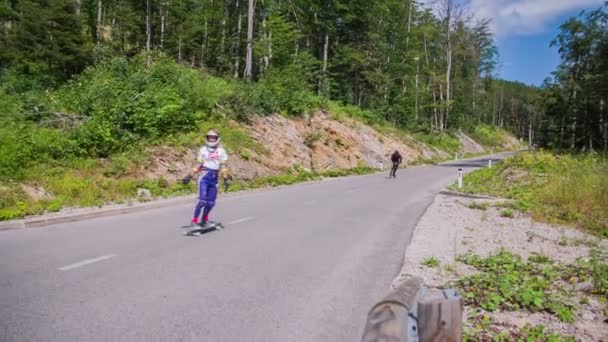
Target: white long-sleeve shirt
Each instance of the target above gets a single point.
(212, 159)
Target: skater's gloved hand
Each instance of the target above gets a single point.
(187, 180)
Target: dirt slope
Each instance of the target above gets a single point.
(316, 142)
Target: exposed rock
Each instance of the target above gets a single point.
(35, 192)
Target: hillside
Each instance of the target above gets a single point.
(121, 126)
(270, 150)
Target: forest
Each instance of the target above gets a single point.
(166, 64)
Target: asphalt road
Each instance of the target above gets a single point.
(300, 263)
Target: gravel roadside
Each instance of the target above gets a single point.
(454, 226)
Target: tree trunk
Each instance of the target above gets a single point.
(447, 85)
(179, 43)
(148, 31)
(204, 40)
(223, 43)
(162, 26)
(573, 137)
(237, 57)
(249, 58)
(264, 60)
(604, 126)
(324, 67)
(99, 24)
(441, 110)
(409, 26)
(426, 52)
(447, 11)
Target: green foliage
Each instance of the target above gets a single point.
(599, 273)
(430, 262)
(479, 205)
(312, 138)
(564, 188)
(485, 329)
(508, 213)
(489, 136)
(507, 282)
(440, 140)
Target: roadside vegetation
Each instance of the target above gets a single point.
(82, 149)
(554, 188)
(506, 282)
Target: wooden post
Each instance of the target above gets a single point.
(388, 319)
(440, 320)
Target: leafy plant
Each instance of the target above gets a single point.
(507, 213)
(431, 262)
(479, 205)
(507, 282)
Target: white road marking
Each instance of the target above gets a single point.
(87, 262)
(244, 219)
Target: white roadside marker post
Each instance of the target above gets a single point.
(459, 178)
(490, 163)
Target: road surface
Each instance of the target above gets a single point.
(299, 263)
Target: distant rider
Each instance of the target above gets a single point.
(211, 161)
(396, 159)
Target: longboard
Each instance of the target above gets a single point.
(196, 230)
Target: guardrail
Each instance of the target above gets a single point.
(411, 313)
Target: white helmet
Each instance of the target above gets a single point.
(212, 138)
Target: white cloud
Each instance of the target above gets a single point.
(516, 17)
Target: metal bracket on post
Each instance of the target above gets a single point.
(440, 317)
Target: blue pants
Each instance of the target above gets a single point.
(207, 194)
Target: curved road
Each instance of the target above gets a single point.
(300, 263)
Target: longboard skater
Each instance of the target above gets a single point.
(211, 161)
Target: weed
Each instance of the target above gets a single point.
(450, 268)
(485, 328)
(508, 213)
(599, 273)
(312, 138)
(479, 205)
(539, 259)
(431, 262)
(507, 282)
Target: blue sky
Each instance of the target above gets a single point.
(528, 57)
(523, 30)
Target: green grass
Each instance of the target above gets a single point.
(85, 185)
(490, 136)
(440, 140)
(559, 189)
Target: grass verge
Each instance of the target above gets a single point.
(557, 189)
(86, 186)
